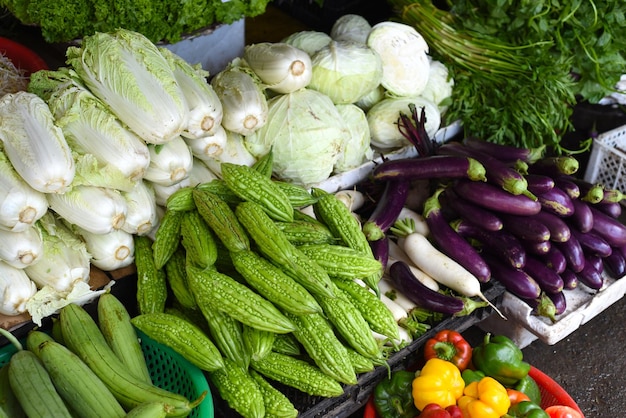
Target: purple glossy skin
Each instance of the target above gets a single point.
(494, 198)
(547, 279)
(559, 301)
(557, 202)
(516, 281)
(428, 167)
(526, 227)
(570, 279)
(593, 243)
(471, 212)
(403, 279)
(380, 250)
(582, 218)
(538, 183)
(613, 209)
(559, 229)
(570, 187)
(609, 228)
(590, 276)
(506, 153)
(387, 209)
(500, 243)
(538, 248)
(574, 254)
(615, 264)
(555, 259)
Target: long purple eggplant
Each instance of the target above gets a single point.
(612, 196)
(387, 209)
(609, 228)
(555, 166)
(613, 209)
(559, 229)
(402, 278)
(615, 264)
(506, 153)
(543, 306)
(470, 212)
(547, 279)
(501, 243)
(570, 279)
(557, 202)
(555, 259)
(495, 198)
(451, 243)
(497, 171)
(537, 247)
(516, 281)
(559, 300)
(428, 167)
(526, 227)
(538, 183)
(582, 218)
(589, 192)
(380, 250)
(591, 277)
(593, 243)
(569, 186)
(574, 254)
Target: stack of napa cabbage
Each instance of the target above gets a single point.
(91, 151)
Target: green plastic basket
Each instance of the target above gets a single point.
(168, 369)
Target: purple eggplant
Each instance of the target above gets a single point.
(516, 281)
(471, 212)
(387, 209)
(570, 279)
(527, 228)
(592, 243)
(609, 228)
(538, 183)
(380, 250)
(555, 259)
(428, 167)
(613, 209)
(451, 243)
(507, 153)
(569, 186)
(589, 192)
(495, 198)
(590, 276)
(496, 170)
(611, 196)
(501, 243)
(595, 261)
(559, 229)
(555, 166)
(547, 279)
(556, 201)
(543, 306)
(559, 300)
(537, 247)
(615, 264)
(403, 279)
(574, 254)
(582, 218)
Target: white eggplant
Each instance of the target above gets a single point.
(20, 205)
(141, 213)
(169, 162)
(16, 288)
(21, 249)
(96, 209)
(33, 143)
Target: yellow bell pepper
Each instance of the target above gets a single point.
(438, 382)
(486, 398)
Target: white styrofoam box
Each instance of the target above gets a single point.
(349, 178)
(583, 304)
(213, 47)
(607, 161)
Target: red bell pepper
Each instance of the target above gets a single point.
(563, 411)
(432, 410)
(451, 346)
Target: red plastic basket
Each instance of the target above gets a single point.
(551, 394)
(22, 57)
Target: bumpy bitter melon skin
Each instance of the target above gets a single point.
(239, 390)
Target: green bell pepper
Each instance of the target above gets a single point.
(470, 376)
(530, 388)
(393, 397)
(499, 357)
(526, 409)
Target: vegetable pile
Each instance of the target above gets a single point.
(455, 380)
(519, 67)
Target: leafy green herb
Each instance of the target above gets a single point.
(520, 66)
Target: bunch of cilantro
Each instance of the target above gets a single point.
(520, 66)
(163, 20)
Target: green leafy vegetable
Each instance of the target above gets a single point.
(520, 67)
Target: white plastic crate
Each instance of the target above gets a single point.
(607, 162)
